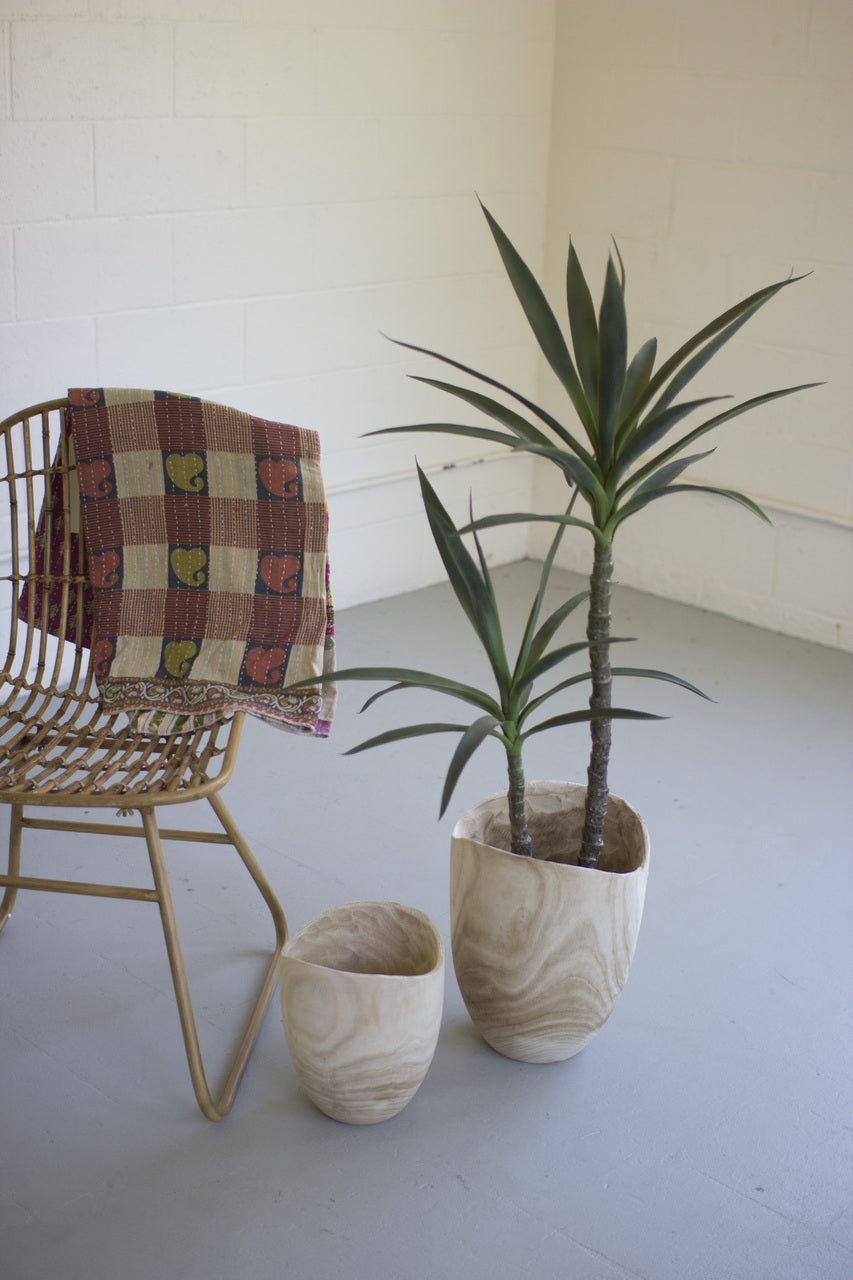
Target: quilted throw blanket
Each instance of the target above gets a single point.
(49, 542)
(206, 534)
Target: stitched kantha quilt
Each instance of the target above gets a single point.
(206, 535)
(49, 558)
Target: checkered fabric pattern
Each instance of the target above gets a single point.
(206, 532)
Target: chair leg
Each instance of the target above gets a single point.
(220, 1108)
(15, 830)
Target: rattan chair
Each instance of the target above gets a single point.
(58, 750)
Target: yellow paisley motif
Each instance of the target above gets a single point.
(178, 656)
(186, 470)
(188, 565)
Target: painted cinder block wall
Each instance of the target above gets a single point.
(237, 197)
(234, 197)
(715, 143)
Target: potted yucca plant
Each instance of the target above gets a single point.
(541, 949)
(542, 944)
(616, 453)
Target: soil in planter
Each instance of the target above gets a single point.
(556, 834)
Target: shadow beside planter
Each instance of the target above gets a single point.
(542, 948)
(362, 990)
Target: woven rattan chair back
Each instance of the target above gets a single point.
(58, 749)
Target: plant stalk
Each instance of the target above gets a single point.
(598, 635)
(520, 839)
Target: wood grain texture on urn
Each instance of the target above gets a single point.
(541, 947)
(362, 991)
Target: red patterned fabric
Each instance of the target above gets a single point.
(48, 559)
(206, 531)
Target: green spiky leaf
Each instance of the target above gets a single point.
(655, 427)
(581, 717)
(692, 436)
(400, 735)
(613, 328)
(471, 739)
(550, 421)
(636, 504)
(705, 344)
(648, 673)
(404, 678)
(529, 636)
(493, 409)
(637, 378)
(542, 321)
(665, 475)
(531, 653)
(584, 327)
(532, 517)
(472, 591)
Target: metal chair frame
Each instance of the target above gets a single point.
(58, 749)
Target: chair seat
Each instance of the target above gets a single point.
(66, 751)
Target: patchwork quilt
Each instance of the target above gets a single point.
(206, 533)
(49, 558)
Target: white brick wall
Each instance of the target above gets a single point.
(132, 63)
(238, 197)
(714, 141)
(86, 268)
(169, 166)
(46, 171)
(234, 197)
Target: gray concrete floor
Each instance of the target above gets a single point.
(704, 1135)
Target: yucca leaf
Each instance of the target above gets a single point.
(461, 569)
(580, 717)
(666, 474)
(732, 494)
(580, 678)
(532, 653)
(471, 739)
(703, 428)
(536, 703)
(586, 479)
(539, 598)
(584, 327)
(655, 427)
(575, 471)
(613, 340)
(637, 377)
(550, 421)
(391, 688)
(649, 673)
(710, 338)
(542, 321)
(532, 517)
(493, 409)
(693, 366)
(406, 679)
(398, 735)
(621, 263)
(568, 682)
(636, 504)
(472, 592)
(556, 656)
(451, 429)
(702, 357)
(501, 668)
